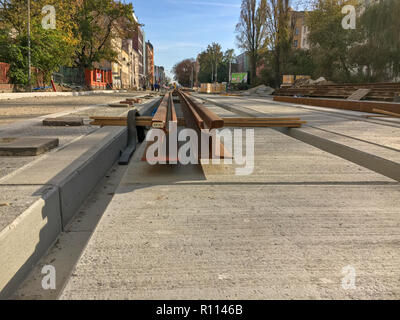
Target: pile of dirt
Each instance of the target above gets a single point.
(310, 82)
(261, 90)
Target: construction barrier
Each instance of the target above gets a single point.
(98, 79)
(213, 88)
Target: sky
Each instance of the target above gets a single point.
(180, 29)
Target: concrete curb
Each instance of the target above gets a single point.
(24, 241)
(367, 160)
(75, 189)
(18, 95)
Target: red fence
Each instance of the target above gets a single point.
(98, 79)
(4, 67)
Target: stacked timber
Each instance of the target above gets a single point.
(378, 91)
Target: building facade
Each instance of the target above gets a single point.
(159, 75)
(299, 29)
(139, 45)
(149, 64)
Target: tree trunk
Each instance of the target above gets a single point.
(253, 68)
(277, 68)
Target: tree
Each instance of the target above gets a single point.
(380, 51)
(229, 57)
(49, 48)
(331, 45)
(214, 64)
(279, 35)
(252, 31)
(96, 24)
(183, 72)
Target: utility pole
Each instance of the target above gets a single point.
(29, 48)
(230, 71)
(216, 71)
(192, 75)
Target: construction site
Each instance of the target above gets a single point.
(249, 152)
(320, 204)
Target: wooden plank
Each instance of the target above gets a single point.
(228, 122)
(359, 94)
(392, 114)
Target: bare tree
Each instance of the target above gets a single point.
(278, 29)
(183, 72)
(252, 31)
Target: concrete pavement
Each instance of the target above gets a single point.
(284, 232)
(48, 190)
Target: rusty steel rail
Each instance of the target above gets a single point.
(205, 118)
(165, 113)
(362, 106)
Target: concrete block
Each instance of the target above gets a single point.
(26, 146)
(119, 105)
(28, 236)
(63, 122)
(75, 189)
(54, 189)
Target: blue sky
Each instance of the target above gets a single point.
(180, 29)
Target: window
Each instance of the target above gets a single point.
(296, 42)
(297, 31)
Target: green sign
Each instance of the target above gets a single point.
(239, 78)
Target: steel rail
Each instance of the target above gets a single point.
(209, 119)
(160, 119)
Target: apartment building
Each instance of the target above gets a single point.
(300, 29)
(149, 63)
(139, 46)
(159, 75)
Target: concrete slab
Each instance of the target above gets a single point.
(26, 146)
(119, 105)
(28, 227)
(11, 96)
(63, 122)
(370, 143)
(68, 248)
(47, 194)
(284, 232)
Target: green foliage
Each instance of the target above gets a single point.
(15, 55)
(330, 43)
(49, 50)
(96, 25)
(380, 52)
(297, 62)
(214, 64)
(83, 36)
